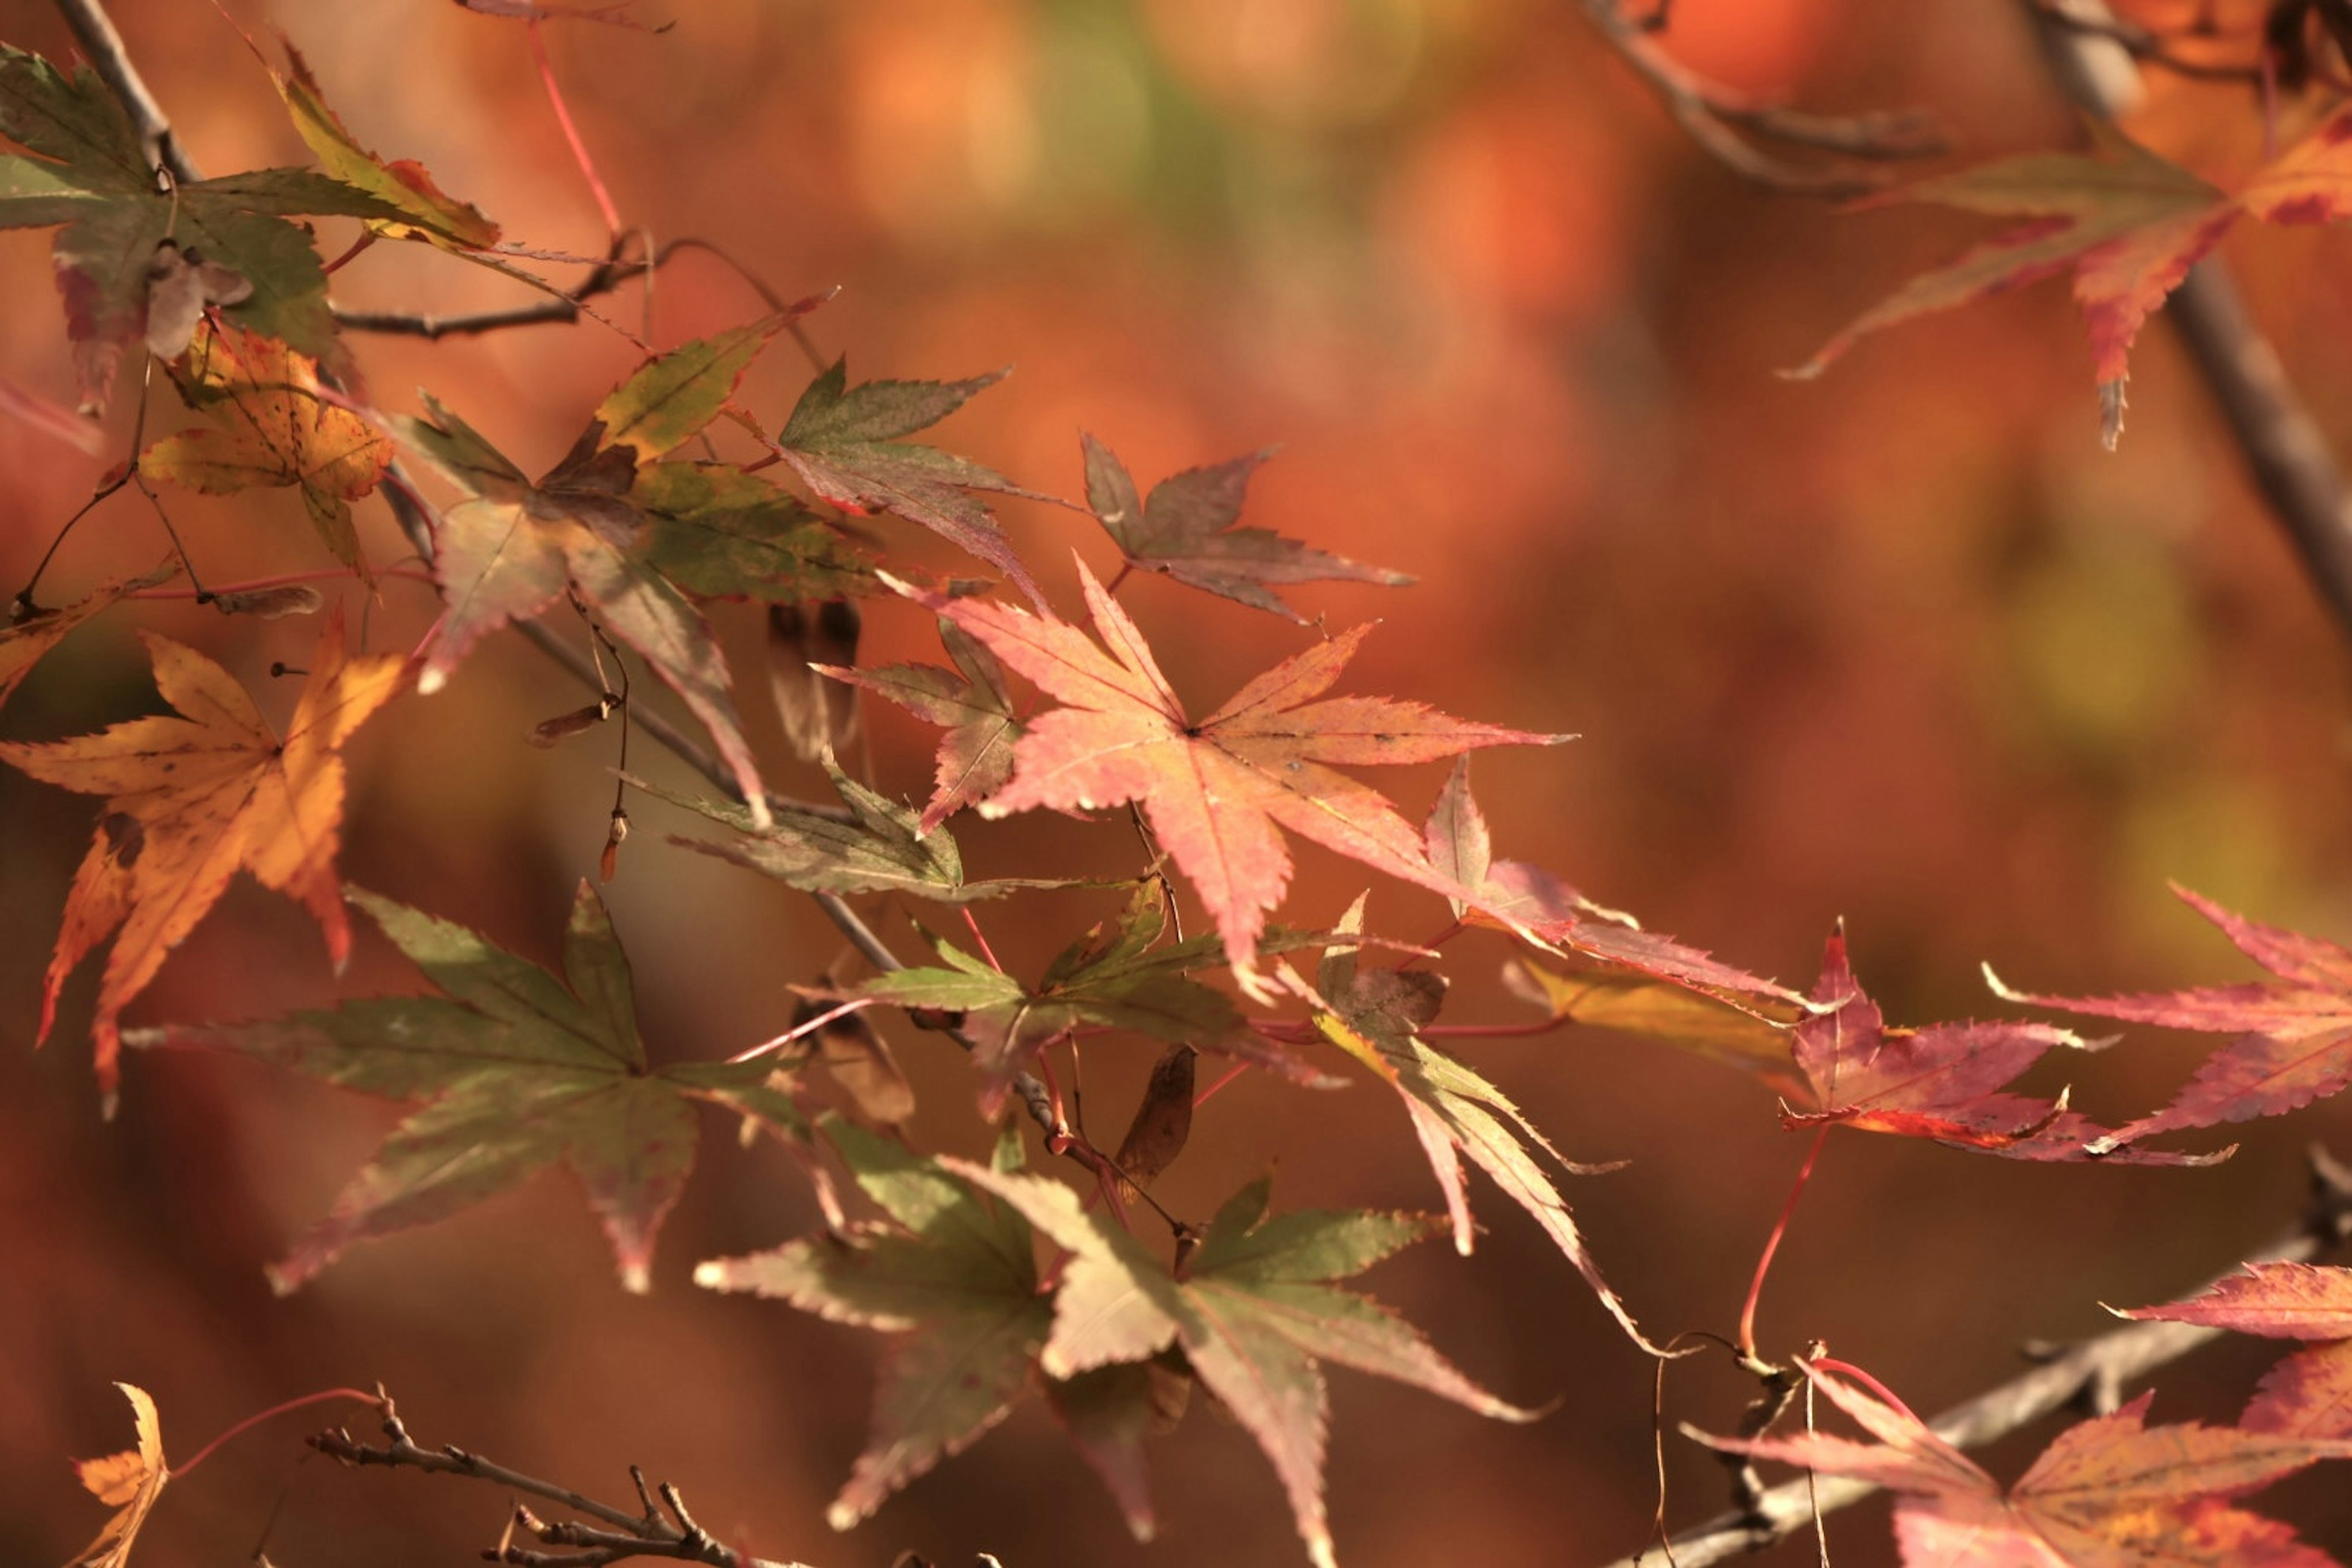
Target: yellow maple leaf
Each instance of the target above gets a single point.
(129, 1481)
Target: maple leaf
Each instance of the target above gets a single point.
(33, 632)
(1114, 977)
(514, 546)
(1942, 1083)
(1216, 790)
(191, 799)
(951, 1276)
(843, 441)
(2129, 223)
(874, 847)
(128, 1482)
(426, 213)
(271, 427)
(1693, 1019)
(2309, 1393)
(512, 1069)
(2295, 1034)
(89, 172)
(1538, 907)
(1375, 1016)
(1253, 1312)
(1185, 529)
(2284, 1300)
(970, 702)
(2108, 1491)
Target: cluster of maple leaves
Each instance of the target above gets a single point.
(995, 1283)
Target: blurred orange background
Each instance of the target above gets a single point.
(1901, 646)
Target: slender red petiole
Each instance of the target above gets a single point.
(1773, 1244)
(572, 133)
(1224, 1078)
(986, 953)
(252, 1421)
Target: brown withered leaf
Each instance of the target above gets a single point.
(1163, 1122)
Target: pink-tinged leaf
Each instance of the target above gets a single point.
(1185, 530)
(2309, 1395)
(1217, 792)
(1942, 1083)
(510, 1069)
(970, 702)
(2282, 1300)
(1541, 909)
(2295, 1034)
(2106, 1493)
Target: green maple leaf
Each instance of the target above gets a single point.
(843, 441)
(425, 212)
(952, 1277)
(1253, 1313)
(876, 848)
(1185, 529)
(87, 172)
(514, 1069)
(1375, 1015)
(1114, 977)
(514, 546)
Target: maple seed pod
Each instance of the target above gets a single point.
(270, 604)
(609, 862)
(563, 726)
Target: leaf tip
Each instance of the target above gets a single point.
(635, 1277)
(710, 1275)
(431, 679)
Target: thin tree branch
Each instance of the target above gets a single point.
(96, 30)
(645, 1534)
(2283, 447)
(1730, 126)
(2092, 1369)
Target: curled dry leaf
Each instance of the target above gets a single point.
(1163, 1121)
(128, 1482)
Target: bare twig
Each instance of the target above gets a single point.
(1739, 132)
(2144, 44)
(2102, 1365)
(618, 1533)
(94, 29)
(2283, 447)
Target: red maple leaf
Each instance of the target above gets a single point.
(1943, 1081)
(2109, 1491)
(1218, 790)
(2127, 222)
(2295, 1034)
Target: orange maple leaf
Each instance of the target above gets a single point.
(131, 1480)
(271, 427)
(192, 799)
(1217, 791)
